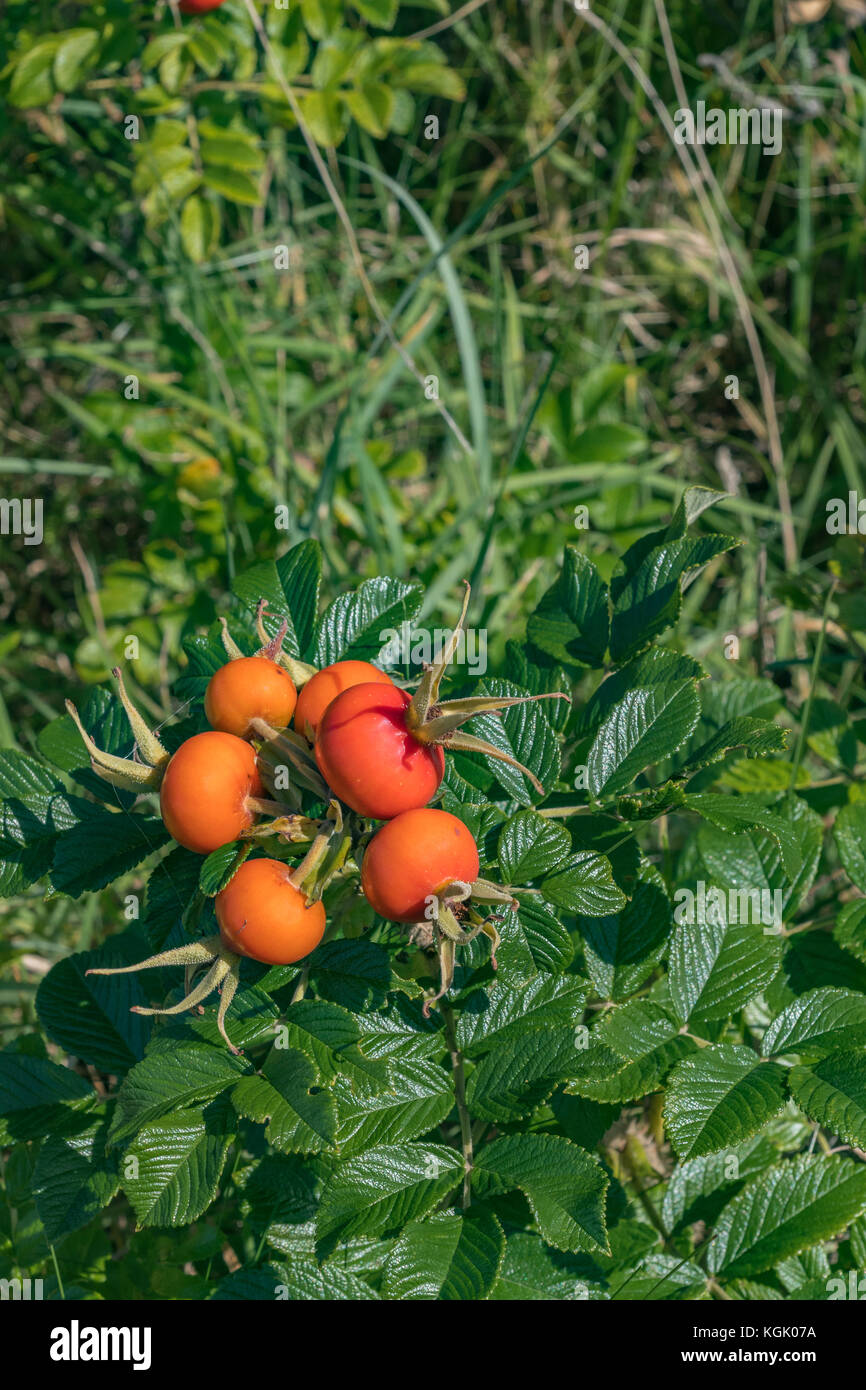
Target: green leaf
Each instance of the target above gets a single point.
(742, 813)
(73, 1181)
(833, 1094)
(751, 863)
(817, 1022)
(571, 623)
(530, 845)
(379, 12)
(38, 1097)
(720, 1097)
(759, 738)
(219, 868)
(172, 1168)
(644, 728)
(564, 1185)
(302, 1279)
(532, 1270)
(415, 1096)
(356, 974)
(172, 1077)
(199, 228)
(521, 731)
(89, 1016)
(606, 443)
(31, 79)
(356, 624)
(74, 58)
(233, 150)
(628, 1054)
(101, 847)
(713, 1176)
(717, 967)
(434, 78)
(372, 105)
(170, 887)
(624, 948)
(585, 886)
(159, 47)
(791, 1206)
(234, 184)
(300, 1117)
(385, 1187)
(850, 928)
(533, 939)
(326, 116)
(513, 1078)
(850, 832)
(506, 1012)
(649, 599)
(449, 1256)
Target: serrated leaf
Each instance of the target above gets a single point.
(89, 1016)
(385, 1187)
(720, 1097)
(38, 1097)
(449, 1256)
(172, 1077)
(356, 624)
(412, 1098)
(101, 847)
(564, 1185)
(571, 623)
(644, 728)
(219, 867)
(517, 1075)
(817, 1022)
(585, 886)
(172, 1168)
(628, 1054)
(623, 948)
(759, 738)
(751, 863)
(712, 1177)
(300, 1117)
(742, 813)
(533, 939)
(850, 928)
(529, 845)
(355, 974)
(523, 732)
(504, 1012)
(791, 1206)
(833, 1094)
(850, 832)
(533, 1270)
(73, 1181)
(717, 967)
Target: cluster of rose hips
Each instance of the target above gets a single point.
(362, 745)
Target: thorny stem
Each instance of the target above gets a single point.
(460, 1097)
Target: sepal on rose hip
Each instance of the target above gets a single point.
(224, 971)
(126, 773)
(431, 720)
